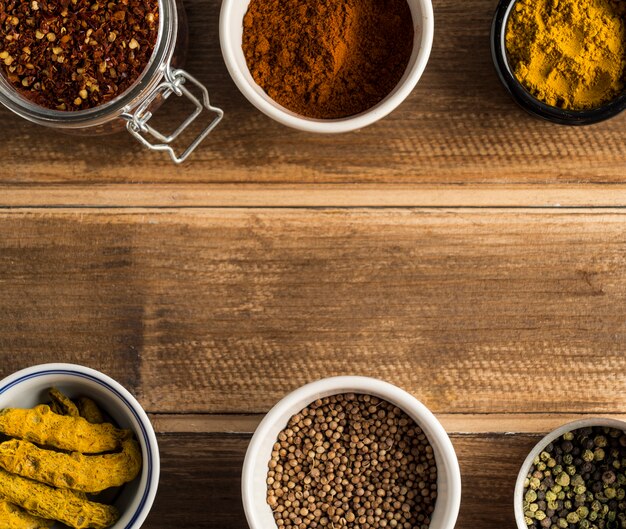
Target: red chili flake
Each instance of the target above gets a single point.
(76, 54)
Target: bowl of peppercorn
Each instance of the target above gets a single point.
(575, 478)
(350, 452)
(322, 66)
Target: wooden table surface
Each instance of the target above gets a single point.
(460, 249)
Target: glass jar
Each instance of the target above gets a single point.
(134, 108)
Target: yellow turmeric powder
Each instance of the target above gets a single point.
(569, 53)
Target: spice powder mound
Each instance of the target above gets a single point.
(328, 59)
(569, 54)
(352, 461)
(76, 54)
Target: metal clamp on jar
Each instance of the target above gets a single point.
(135, 107)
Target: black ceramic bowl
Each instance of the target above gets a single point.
(524, 98)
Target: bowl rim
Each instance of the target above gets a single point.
(147, 431)
(524, 98)
(538, 448)
(330, 126)
(355, 384)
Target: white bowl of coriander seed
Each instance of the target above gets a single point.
(575, 477)
(350, 452)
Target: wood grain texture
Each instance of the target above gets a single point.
(226, 310)
(211, 498)
(309, 195)
(458, 424)
(458, 127)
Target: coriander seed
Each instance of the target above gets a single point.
(352, 461)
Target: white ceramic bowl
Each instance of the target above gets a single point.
(255, 467)
(231, 32)
(29, 387)
(521, 477)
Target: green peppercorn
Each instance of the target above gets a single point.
(600, 441)
(578, 482)
(610, 493)
(572, 517)
(562, 479)
(530, 496)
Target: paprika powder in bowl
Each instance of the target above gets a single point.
(326, 67)
(573, 71)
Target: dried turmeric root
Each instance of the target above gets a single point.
(62, 404)
(56, 504)
(42, 426)
(88, 409)
(12, 517)
(72, 471)
(83, 407)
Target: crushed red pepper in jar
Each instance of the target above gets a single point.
(76, 54)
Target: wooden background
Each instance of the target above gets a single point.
(459, 248)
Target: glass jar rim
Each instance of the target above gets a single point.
(151, 75)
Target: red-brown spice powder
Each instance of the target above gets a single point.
(76, 54)
(328, 58)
